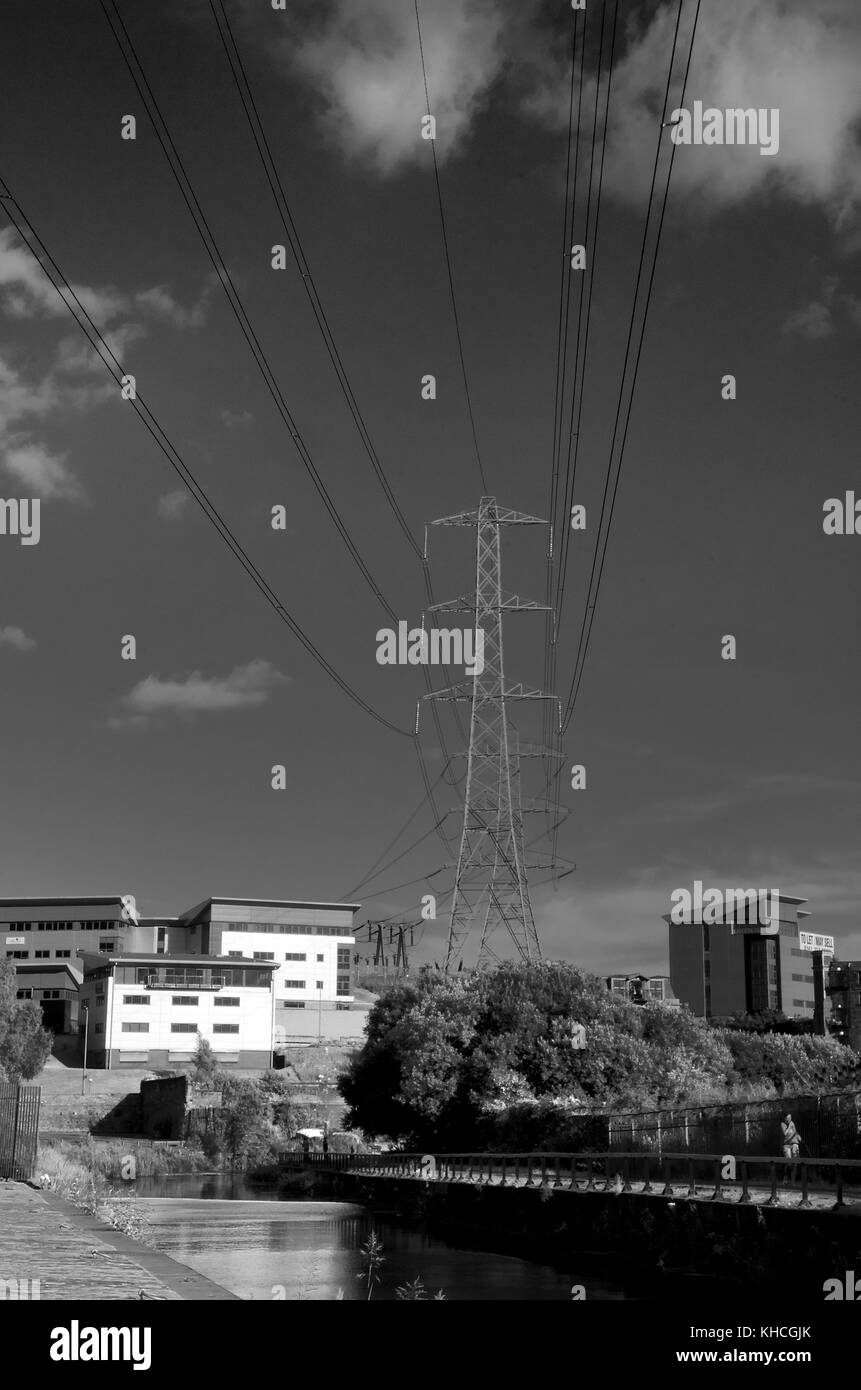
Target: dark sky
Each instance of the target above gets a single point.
(153, 777)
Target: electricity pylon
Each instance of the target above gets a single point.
(491, 888)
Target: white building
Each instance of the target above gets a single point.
(146, 1010)
(310, 943)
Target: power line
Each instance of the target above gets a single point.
(189, 196)
(264, 150)
(583, 644)
(562, 335)
(255, 123)
(107, 356)
(448, 262)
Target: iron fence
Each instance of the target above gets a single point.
(19, 1130)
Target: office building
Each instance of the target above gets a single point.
(307, 948)
(740, 965)
(843, 986)
(147, 1010)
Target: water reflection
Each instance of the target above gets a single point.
(256, 1245)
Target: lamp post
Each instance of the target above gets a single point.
(86, 1009)
(319, 1010)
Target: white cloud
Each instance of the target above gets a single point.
(815, 320)
(246, 687)
(172, 506)
(40, 472)
(800, 58)
(16, 638)
(364, 61)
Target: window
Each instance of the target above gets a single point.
(225, 1027)
(321, 957)
(106, 946)
(293, 1004)
(227, 1002)
(234, 955)
(50, 994)
(62, 955)
(183, 1027)
(135, 1027)
(19, 955)
(40, 955)
(320, 984)
(342, 1007)
(294, 984)
(343, 984)
(188, 1001)
(798, 978)
(135, 998)
(295, 955)
(264, 955)
(24, 994)
(798, 1004)
(100, 1028)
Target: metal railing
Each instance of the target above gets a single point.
(19, 1130)
(761, 1181)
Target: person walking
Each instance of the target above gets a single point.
(791, 1143)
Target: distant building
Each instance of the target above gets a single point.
(740, 966)
(843, 985)
(642, 989)
(309, 946)
(146, 1010)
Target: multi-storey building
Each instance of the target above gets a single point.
(843, 985)
(310, 943)
(147, 1010)
(736, 965)
(307, 948)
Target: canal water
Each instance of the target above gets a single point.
(262, 1247)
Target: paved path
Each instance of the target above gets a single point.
(74, 1256)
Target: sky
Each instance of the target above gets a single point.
(154, 776)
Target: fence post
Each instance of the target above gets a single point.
(838, 1178)
(772, 1201)
(745, 1199)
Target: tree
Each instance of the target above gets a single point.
(205, 1074)
(247, 1135)
(25, 1045)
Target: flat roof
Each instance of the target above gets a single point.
(46, 967)
(264, 902)
(70, 898)
(175, 957)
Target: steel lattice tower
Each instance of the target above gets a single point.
(491, 888)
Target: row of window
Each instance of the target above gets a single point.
(803, 979)
(282, 929)
(187, 1001)
(270, 955)
(174, 1028)
(44, 994)
(113, 925)
(105, 946)
(802, 1004)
